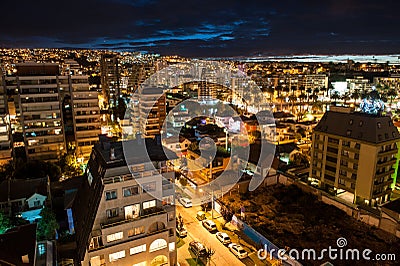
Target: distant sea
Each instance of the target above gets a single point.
(392, 59)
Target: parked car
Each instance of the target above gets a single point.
(182, 232)
(237, 250)
(198, 248)
(186, 202)
(209, 225)
(223, 238)
(201, 215)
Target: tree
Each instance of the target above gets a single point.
(47, 225)
(68, 166)
(335, 96)
(209, 253)
(299, 159)
(355, 95)
(5, 223)
(37, 169)
(391, 93)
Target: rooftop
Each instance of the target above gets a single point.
(21, 188)
(17, 245)
(359, 126)
(135, 151)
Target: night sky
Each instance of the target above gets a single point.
(205, 28)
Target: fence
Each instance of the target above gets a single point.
(261, 241)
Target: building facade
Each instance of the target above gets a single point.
(356, 155)
(149, 107)
(54, 112)
(120, 220)
(5, 132)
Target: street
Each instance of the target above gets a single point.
(196, 231)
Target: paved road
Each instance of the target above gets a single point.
(196, 231)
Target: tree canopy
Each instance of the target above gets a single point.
(47, 225)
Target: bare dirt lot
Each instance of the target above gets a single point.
(293, 219)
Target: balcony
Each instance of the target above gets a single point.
(388, 152)
(383, 183)
(386, 163)
(384, 173)
(144, 214)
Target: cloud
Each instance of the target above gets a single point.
(204, 28)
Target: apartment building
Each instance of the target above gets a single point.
(355, 153)
(149, 107)
(50, 108)
(313, 81)
(110, 78)
(37, 99)
(5, 136)
(86, 116)
(124, 212)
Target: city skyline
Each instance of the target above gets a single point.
(203, 28)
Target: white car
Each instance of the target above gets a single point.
(209, 225)
(238, 250)
(223, 238)
(187, 203)
(182, 232)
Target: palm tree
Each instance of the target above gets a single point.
(292, 100)
(317, 107)
(345, 97)
(281, 98)
(309, 91)
(335, 96)
(271, 91)
(302, 97)
(355, 95)
(391, 93)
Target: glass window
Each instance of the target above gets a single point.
(115, 237)
(158, 244)
(138, 249)
(112, 213)
(111, 194)
(136, 231)
(130, 191)
(117, 255)
(149, 204)
(132, 211)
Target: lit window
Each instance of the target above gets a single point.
(157, 245)
(171, 246)
(138, 249)
(115, 237)
(143, 263)
(132, 211)
(41, 249)
(149, 204)
(136, 231)
(117, 255)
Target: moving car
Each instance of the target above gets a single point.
(186, 202)
(209, 225)
(223, 238)
(237, 250)
(198, 248)
(182, 232)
